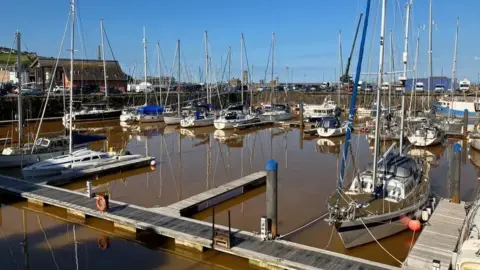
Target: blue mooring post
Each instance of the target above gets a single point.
(272, 194)
(456, 173)
(301, 116)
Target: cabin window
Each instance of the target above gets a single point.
(95, 157)
(86, 159)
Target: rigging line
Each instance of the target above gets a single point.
(80, 24)
(384, 249)
(9, 247)
(268, 63)
(46, 240)
(303, 226)
(330, 240)
(51, 82)
(171, 77)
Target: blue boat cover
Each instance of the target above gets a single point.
(150, 109)
(78, 138)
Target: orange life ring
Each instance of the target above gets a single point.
(101, 203)
(103, 242)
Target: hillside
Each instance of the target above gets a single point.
(6, 53)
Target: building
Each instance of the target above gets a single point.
(87, 73)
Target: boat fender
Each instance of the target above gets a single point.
(414, 225)
(103, 242)
(102, 203)
(425, 215)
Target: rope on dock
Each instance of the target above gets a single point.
(384, 249)
(302, 227)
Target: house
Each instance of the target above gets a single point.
(86, 73)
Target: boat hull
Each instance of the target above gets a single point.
(11, 161)
(150, 118)
(96, 116)
(354, 233)
(457, 112)
(188, 123)
(222, 125)
(172, 120)
(424, 141)
(331, 132)
(276, 117)
(475, 143)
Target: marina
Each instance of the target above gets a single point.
(196, 152)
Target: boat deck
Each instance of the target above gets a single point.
(439, 237)
(278, 254)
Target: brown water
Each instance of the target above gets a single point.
(192, 161)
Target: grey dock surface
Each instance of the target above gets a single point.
(252, 125)
(118, 167)
(214, 196)
(439, 237)
(188, 232)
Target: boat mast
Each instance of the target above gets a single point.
(273, 62)
(72, 54)
(340, 63)
(159, 72)
(145, 64)
(19, 98)
(241, 65)
(392, 76)
(430, 67)
(404, 77)
(415, 71)
(179, 79)
(103, 58)
(454, 70)
(379, 83)
(207, 67)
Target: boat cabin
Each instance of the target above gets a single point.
(397, 175)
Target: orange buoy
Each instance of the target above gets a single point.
(102, 203)
(414, 225)
(103, 242)
(405, 220)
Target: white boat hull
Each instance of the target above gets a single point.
(128, 118)
(230, 124)
(150, 118)
(475, 143)
(424, 141)
(172, 120)
(331, 132)
(190, 122)
(276, 117)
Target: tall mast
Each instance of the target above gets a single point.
(273, 63)
(207, 73)
(430, 67)
(415, 70)
(392, 76)
(103, 58)
(404, 77)
(229, 63)
(286, 77)
(340, 63)
(379, 83)
(179, 79)
(241, 67)
(19, 98)
(454, 70)
(72, 54)
(145, 64)
(159, 71)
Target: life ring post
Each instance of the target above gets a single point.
(102, 202)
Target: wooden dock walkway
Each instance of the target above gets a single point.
(278, 254)
(212, 197)
(296, 124)
(439, 238)
(117, 167)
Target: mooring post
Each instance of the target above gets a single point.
(301, 116)
(465, 123)
(455, 174)
(272, 194)
(229, 228)
(89, 189)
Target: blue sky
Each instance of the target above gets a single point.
(306, 32)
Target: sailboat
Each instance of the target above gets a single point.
(203, 116)
(148, 113)
(95, 111)
(78, 159)
(236, 114)
(174, 118)
(427, 133)
(380, 201)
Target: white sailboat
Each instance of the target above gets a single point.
(275, 112)
(360, 213)
(76, 159)
(236, 115)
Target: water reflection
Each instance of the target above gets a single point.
(194, 160)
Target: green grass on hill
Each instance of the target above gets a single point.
(13, 59)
